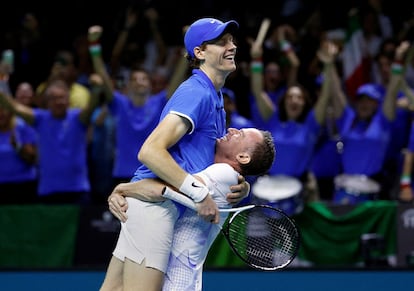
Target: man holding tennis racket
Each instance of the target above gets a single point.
(248, 152)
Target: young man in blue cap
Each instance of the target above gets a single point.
(183, 143)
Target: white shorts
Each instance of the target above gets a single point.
(147, 233)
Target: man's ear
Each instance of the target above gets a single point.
(243, 158)
(199, 53)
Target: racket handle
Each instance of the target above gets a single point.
(178, 197)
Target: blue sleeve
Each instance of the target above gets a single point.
(190, 102)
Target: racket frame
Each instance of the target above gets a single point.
(187, 201)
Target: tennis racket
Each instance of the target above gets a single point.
(263, 237)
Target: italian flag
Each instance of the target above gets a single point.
(355, 63)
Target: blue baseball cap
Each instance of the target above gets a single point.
(372, 91)
(206, 29)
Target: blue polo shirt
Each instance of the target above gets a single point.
(197, 100)
(365, 143)
(63, 165)
(295, 143)
(133, 125)
(12, 167)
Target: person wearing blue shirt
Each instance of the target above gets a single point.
(135, 109)
(296, 126)
(182, 143)
(400, 129)
(366, 131)
(62, 134)
(18, 155)
(329, 145)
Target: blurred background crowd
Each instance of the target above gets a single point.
(333, 81)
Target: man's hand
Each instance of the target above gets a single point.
(118, 205)
(238, 192)
(94, 33)
(195, 188)
(208, 210)
(146, 190)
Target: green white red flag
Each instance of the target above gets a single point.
(355, 63)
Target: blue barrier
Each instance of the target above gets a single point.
(229, 280)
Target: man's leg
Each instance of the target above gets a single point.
(114, 276)
(140, 278)
(145, 243)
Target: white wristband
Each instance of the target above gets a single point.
(178, 197)
(194, 189)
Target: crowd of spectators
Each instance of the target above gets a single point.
(63, 135)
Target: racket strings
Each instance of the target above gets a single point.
(263, 237)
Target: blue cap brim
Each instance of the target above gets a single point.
(206, 29)
(229, 26)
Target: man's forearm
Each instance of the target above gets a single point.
(146, 190)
